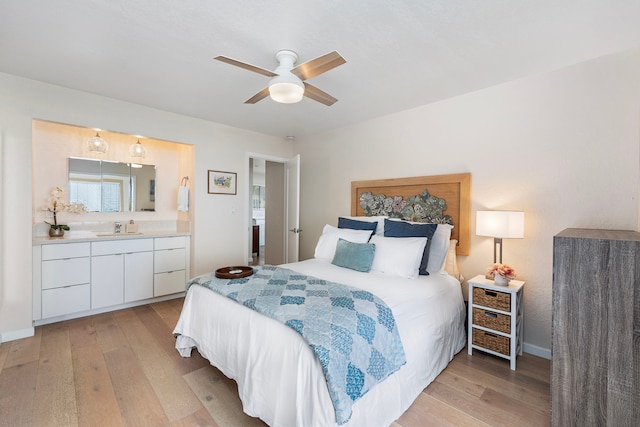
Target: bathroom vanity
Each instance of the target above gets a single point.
(95, 273)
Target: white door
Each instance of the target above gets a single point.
(292, 167)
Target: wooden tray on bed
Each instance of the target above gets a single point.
(235, 272)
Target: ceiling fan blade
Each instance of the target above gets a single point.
(246, 66)
(258, 96)
(318, 66)
(318, 95)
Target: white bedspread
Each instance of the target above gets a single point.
(279, 377)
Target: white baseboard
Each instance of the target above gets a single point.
(537, 351)
(16, 335)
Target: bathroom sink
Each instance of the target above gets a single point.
(117, 234)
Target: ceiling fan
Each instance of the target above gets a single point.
(287, 83)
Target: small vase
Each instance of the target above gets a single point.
(56, 232)
(500, 280)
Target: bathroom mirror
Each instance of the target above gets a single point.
(106, 186)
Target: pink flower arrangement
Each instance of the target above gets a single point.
(501, 270)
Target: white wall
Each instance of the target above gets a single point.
(563, 147)
(219, 235)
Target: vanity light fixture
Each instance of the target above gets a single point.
(137, 150)
(96, 144)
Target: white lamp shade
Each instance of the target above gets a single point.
(286, 88)
(501, 224)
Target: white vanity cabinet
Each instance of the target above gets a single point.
(170, 265)
(65, 279)
(121, 271)
(73, 279)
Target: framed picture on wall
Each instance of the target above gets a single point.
(222, 182)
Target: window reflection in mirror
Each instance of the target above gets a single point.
(105, 186)
(84, 183)
(116, 195)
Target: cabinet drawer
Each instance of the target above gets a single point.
(111, 247)
(65, 250)
(65, 272)
(170, 242)
(492, 341)
(169, 283)
(169, 260)
(70, 299)
(492, 299)
(491, 320)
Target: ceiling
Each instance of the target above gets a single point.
(400, 54)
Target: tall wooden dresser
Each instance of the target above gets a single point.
(595, 375)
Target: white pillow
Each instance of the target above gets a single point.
(398, 256)
(326, 246)
(378, 219)
(439, 248)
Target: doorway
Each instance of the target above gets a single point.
(272, 210)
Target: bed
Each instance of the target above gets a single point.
(281, 379)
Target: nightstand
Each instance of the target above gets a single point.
(496, 318)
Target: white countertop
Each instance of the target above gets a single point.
(93, 236)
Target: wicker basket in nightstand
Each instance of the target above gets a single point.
(495, 318)
(491, 341)
(491, 320)
(492, 299)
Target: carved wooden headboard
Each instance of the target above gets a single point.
(446, 195)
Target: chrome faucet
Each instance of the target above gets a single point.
(118, 227)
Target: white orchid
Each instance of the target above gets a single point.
(57, 203)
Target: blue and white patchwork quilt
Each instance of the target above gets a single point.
(352, 331)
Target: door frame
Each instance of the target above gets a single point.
(247, 207)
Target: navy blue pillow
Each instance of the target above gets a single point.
(404, 229)
(354, 224)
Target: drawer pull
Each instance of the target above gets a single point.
(489, 334)
(489, 314)
(490, 293)
(170, 271)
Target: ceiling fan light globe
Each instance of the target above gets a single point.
(286, 93)
(287, 89)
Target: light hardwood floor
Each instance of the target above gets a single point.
(121, 368)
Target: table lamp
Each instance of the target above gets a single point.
(500, 225)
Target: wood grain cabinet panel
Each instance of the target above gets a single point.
(595, 379)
